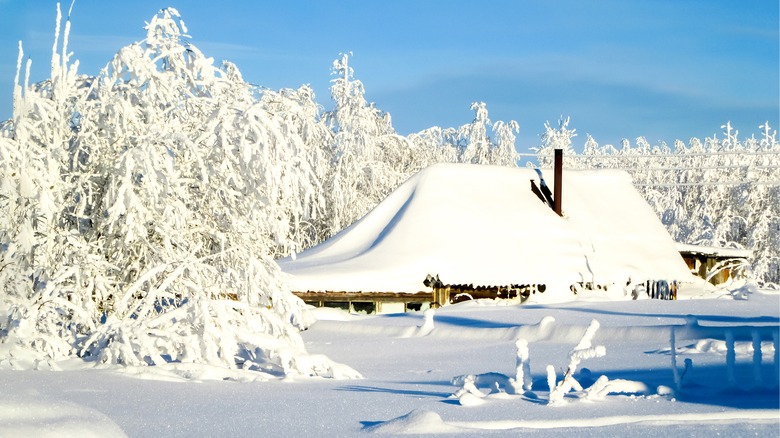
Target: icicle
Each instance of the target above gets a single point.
(757, 358)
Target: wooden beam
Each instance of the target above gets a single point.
(339, 296)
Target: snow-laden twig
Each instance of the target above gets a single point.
(469, 386)
(603, 387)
(584, 350)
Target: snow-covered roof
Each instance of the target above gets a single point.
(482, 225)
(714, 251)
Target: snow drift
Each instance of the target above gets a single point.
(483, 225)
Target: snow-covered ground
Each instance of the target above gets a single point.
(409, 366)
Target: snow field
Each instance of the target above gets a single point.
(408, 371)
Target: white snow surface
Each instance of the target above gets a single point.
(411, 377)
(482, 225)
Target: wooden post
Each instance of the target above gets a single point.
(441, 295)
(557, 201)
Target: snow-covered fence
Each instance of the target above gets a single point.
(736, 338)
(755, 335)
(656, 289)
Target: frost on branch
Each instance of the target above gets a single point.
(584, 350)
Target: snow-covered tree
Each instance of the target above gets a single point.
(296, 111)
(477, 147)
(556, 138)
(144, 207)
(360, 175)
(718, 192)
(475, 134)
(370, 159)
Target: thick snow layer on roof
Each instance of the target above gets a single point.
(482, 225)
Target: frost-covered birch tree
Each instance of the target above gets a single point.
(556, 138)
(359, 174)
(144, 207)
(717, 192)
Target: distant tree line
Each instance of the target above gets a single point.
(722, 192)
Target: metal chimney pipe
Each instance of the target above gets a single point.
(557, 201)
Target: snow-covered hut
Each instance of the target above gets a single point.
(483, 225)
(713, 263)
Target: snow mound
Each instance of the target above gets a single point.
(482, 225)
(54, 419)
(416, 422)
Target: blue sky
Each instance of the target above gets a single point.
(663, 69)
